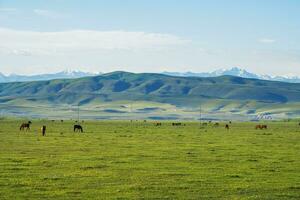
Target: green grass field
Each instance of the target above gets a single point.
(123, 160)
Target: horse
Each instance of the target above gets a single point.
(258, 127)
(43, 129)
(261, 126)
(227, 126)
(25, 125)
(78, 128)
(264, 127)
(158, 124)
(176, 124)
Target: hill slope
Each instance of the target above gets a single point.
(188, 92)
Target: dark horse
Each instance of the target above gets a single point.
(176, 124)
(158, 124)
(78, 128)
(25, 126)
(227, 126)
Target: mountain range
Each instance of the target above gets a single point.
(235, 71)
(148, 95)
(68, 74)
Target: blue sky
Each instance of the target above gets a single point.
(38, 36)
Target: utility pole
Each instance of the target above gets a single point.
(200, 115)
(78, 113)
(131, 116)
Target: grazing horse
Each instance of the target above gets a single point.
(261, 126)
(216, 124)
(264, 126)
(78, 128)
(227, 126)
(158, 124)
(25, 125)
(43, 129)
(176, 124)
(258, 127)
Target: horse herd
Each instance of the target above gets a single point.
(26, 127)
(216, 124)
(78, 128)
(173, 124)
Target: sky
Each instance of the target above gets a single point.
(46, 36)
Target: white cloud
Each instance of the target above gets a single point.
(20, 52)
(9, 10)
(48, 13)
(267, 40)
(67, 42)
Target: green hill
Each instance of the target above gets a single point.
(225, 94)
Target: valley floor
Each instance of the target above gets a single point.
(123, 160)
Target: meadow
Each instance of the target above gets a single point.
(124, 160)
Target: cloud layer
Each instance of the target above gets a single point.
(48, 14)
(7, 9)
(28, 43)
(267, 40)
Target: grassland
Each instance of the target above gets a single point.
(123, 160)
(213, 109)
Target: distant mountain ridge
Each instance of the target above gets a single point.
(66, 74)
(69, 74)
(229, 95)
(130, 86)
(235, 71)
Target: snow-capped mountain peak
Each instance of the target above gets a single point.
(236, 71)
(65, 74)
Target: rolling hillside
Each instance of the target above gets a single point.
(225, 94)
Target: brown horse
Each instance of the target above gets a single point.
(25, 126)
(78, 128)
(261, 126)
(258, 127)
